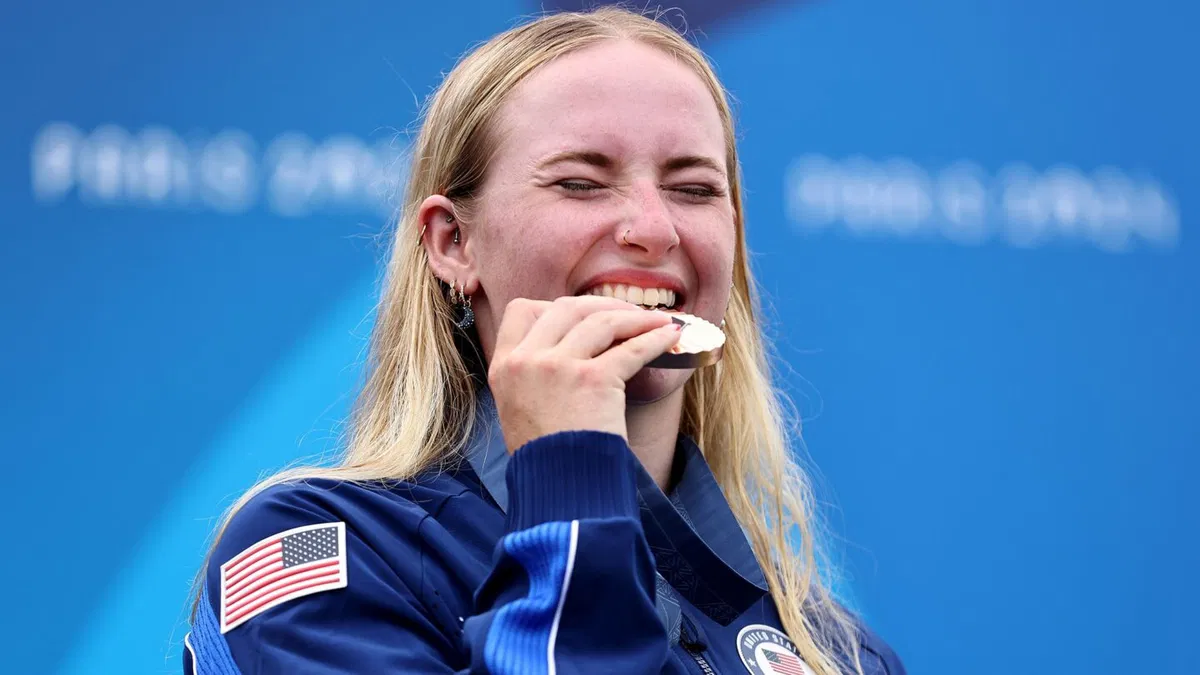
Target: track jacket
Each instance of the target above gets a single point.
(564, 557)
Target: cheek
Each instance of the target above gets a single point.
(528, 250)
(712, 254)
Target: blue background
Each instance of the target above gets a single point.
(1001, 404)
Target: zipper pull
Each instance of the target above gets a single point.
(689, 637)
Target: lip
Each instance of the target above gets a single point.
(640, 278)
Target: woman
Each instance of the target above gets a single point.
(521, 493)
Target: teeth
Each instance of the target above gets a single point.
(648, 297)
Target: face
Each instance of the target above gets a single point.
(610, 172)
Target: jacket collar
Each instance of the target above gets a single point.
(699, 548)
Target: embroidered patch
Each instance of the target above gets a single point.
(767, 651)
(282, 567)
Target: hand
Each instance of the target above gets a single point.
(563, 365)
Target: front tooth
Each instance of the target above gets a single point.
(619, 291)
(650, 297)
(669, 301)
(634, 295)
(606, 290)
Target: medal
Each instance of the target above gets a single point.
(700, 344)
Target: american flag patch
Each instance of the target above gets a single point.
(282, 567)
(784, 663)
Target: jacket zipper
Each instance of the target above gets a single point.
(689, 639)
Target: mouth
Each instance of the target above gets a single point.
(647, 298)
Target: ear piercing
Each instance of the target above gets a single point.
(462, 304)
(449, 219)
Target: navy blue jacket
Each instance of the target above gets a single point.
(564, 558)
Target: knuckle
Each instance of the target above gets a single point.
(640, 348)
(591, 375)
(576, 307)
(498, 380)
(495, 379)
(523, 306)
(598, 320)
(545, 365)
(500, 369)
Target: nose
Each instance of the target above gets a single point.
(649, 228)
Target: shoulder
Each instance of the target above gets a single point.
(363, 509)
(309, 558)
(299, 503)
(365, 515)
(277, 518)
(330, 530)
(878, 657)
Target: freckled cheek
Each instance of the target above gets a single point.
(711, 291)
(531, 257)
(713, 251)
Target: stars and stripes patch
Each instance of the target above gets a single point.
(784, 663)
(282, 567)
(767, 651)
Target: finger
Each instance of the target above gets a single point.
(600, 330)
(566, 313)
(627, 358)
(519, 316)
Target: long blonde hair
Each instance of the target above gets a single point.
(417, 404)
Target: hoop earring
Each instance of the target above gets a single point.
(449, 219)
(462, 303)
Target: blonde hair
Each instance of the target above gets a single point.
(417, 405)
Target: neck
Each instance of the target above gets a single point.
(653, 430)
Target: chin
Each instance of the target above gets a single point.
(651, 385)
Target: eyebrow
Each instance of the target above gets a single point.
(689, 161)
(589, 157)
(603, 161)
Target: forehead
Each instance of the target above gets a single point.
(620, 97)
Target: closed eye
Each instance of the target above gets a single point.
(578, 185)
(702, 191)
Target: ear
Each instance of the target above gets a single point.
(448, 259)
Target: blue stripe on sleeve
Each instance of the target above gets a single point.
(523, 634)
(208, 646)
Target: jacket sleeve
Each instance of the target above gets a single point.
(266, 607)
(571, 589)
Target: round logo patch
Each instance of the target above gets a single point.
(767, 651)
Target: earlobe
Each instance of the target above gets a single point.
(445, 240)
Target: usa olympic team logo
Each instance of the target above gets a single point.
(767, 651)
